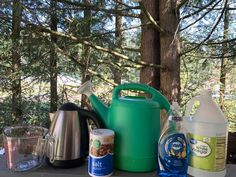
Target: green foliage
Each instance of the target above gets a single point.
(35, 112)
(205, 39)
(199, 67)
(5, 113)
(231, 114)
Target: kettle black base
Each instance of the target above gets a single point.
(65, 163)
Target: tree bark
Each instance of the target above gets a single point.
(160, 46)
(16, 62)
(53, 59)
(170, 50)
(224, 61)
(87, 52)
(150, 45)
(118, 35)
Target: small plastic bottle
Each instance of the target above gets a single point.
(173, 149)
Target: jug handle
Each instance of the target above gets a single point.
(156, 95)
(189, 106)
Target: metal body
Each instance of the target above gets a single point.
(65, 128)
(70, 133)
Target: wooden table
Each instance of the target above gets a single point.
(81, 171)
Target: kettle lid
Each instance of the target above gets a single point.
(69, 107)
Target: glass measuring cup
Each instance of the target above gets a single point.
(25, 147)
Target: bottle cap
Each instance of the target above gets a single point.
(176, 118)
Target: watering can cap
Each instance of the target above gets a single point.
(86, 88)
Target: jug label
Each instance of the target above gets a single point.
(207, 153)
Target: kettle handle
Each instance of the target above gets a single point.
(156, 95)
(92, 115)
(85, 115)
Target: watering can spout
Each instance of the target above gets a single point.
(99, 107)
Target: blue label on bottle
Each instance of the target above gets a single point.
(173, 154)
(100, 166)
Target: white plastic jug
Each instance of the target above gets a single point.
(207, 135)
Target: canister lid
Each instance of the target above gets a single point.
(102, 132)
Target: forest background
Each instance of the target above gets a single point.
(48, 48)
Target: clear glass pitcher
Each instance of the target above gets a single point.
(26, 147)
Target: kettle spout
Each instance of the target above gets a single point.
(51, 116)
(99, 107)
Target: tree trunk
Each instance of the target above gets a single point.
(161, 48)
(16, 62)
(53, 59)
(224, 60)
(118, 35)
(87, 53)
(150, 46)
(170, 50)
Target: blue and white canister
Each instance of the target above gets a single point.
(101, 145)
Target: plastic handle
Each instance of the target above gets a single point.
(91, 115)
(86, 127)
(156, 96)
(190, 105)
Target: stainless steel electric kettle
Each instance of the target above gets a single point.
(69, 128)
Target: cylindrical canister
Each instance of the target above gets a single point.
(101, 145)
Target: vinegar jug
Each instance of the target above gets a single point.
(207, 136)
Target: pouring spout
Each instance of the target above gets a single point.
(51, 116)
(100, 108)
(86, 88)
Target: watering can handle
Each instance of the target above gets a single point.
(190, 105)
(156, 95)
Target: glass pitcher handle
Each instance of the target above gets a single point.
(40, 148)
(45, 147)
(50, 152)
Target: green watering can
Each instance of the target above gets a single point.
(136, 122)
